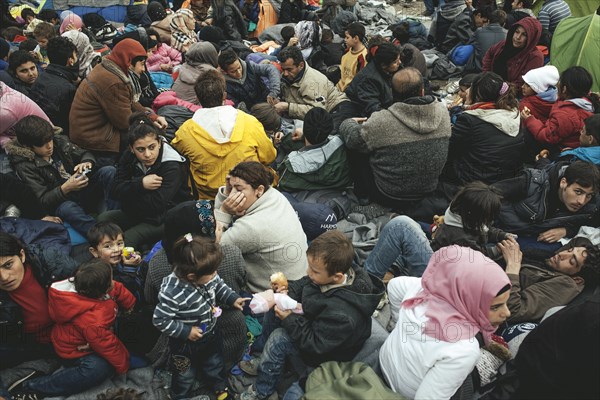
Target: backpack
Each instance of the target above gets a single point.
(346, 380)
(444, 69)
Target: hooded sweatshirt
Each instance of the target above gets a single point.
(486, 145)
(81, 320)
(215, 140)
(99, 117)
(200, 58)
(511, 63)
(150, 206)
(407, 145)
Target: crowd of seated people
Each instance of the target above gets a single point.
(171, 185)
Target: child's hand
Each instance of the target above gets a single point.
(277, 138)
(79, 168)
(239, 303)
(84, 347)
(543, 154)
(195, 334)
(525, 113)
(297, 135)
(282, 314)
(134, 260)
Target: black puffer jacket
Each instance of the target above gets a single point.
(150, 205)
(41, 175)
(49, 264)
(54, 91)
(370, 90)
(485, 146)
(336, 322)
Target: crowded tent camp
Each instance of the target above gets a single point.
(299, 199)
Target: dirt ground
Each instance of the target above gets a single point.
(410, 8)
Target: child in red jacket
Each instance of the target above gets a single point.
(539, 91)
(84, 308)
(565, 121)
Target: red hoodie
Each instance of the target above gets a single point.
(530, 57)
(81, 320)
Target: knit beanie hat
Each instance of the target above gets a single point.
(540, 79)
(156, 11)
(318, 125)
(211, 34)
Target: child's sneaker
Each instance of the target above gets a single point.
(250, 367)
(25, 395)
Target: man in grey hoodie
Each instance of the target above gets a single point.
(398, 153)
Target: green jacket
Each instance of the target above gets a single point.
(317, 167)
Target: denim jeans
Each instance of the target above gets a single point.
(279, 346)
(403, 241)
(79, 375)
(294, 392)
(187, 357)
(269, 323)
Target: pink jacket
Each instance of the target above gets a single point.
(164, 54)
(169, 98)
(14, 106)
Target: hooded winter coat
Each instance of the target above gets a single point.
(407, 145)
(541, 105)
(81, 320)
(240, 138)
(485, 146)
(150, 205)
(337, 318)
(508, 62)
(200, 58)
(99, 118)
(564, 123)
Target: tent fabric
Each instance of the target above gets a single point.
(578, 8)
(576, 41)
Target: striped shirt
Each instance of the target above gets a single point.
(182, 305)
(552, 12)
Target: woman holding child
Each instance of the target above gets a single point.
(260, 221)
(24, 278)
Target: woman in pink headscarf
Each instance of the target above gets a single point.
(71, 22)
(433, 347)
